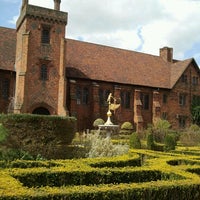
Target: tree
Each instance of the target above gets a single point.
(195, 110)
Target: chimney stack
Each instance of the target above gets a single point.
(57, 4)
(166, 53)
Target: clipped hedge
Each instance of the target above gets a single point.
(92, 177)
(38, 134)
(75, 179)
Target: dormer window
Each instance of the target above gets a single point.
(45, 39)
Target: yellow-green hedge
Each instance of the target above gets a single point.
(156, 179)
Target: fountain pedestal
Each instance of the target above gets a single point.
(110, 129)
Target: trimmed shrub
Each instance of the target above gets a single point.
(135, 141)
(38, 134)
(170, 142)
(126, 128)
(150, 142)
(98, 122)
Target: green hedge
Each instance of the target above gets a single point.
(76, 179)
(93, 177)
(38, 134)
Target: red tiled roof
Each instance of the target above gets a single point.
(97, 62)
(7, 48)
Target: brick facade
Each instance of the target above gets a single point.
(59, 76)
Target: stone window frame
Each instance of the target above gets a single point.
(5, 88)
(182, 99)
(46, 34)
(125, 99)
(165, 98)
(82, 95)
(184, 78)
(195, 80)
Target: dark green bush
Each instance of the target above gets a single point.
(135, 141)
(3, 133)
(38, 134)
(170, 142)
(150, 142)
(14, 154)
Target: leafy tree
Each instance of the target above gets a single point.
(195, 110)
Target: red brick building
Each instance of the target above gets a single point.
(42, 72)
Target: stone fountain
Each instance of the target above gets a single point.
(109, 127)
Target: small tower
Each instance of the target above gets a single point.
(40, 60)
(57, 4)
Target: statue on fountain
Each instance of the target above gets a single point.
(112, 105)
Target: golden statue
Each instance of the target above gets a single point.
(112, 105)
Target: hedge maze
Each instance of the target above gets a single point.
(142, 174)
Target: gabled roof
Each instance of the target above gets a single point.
(177, 69)
(7, 48)
(97, 62)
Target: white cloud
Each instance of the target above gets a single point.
(13, 20)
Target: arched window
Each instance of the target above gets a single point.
(43, 73)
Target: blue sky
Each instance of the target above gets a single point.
(141, 25)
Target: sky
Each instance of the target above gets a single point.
(138, 25)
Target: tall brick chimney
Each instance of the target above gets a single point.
(166, 53)
(57, 4)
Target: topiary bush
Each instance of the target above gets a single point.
(126, 128)
(135, 141)
(150, 142)
(170, 142)
(98, 122)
